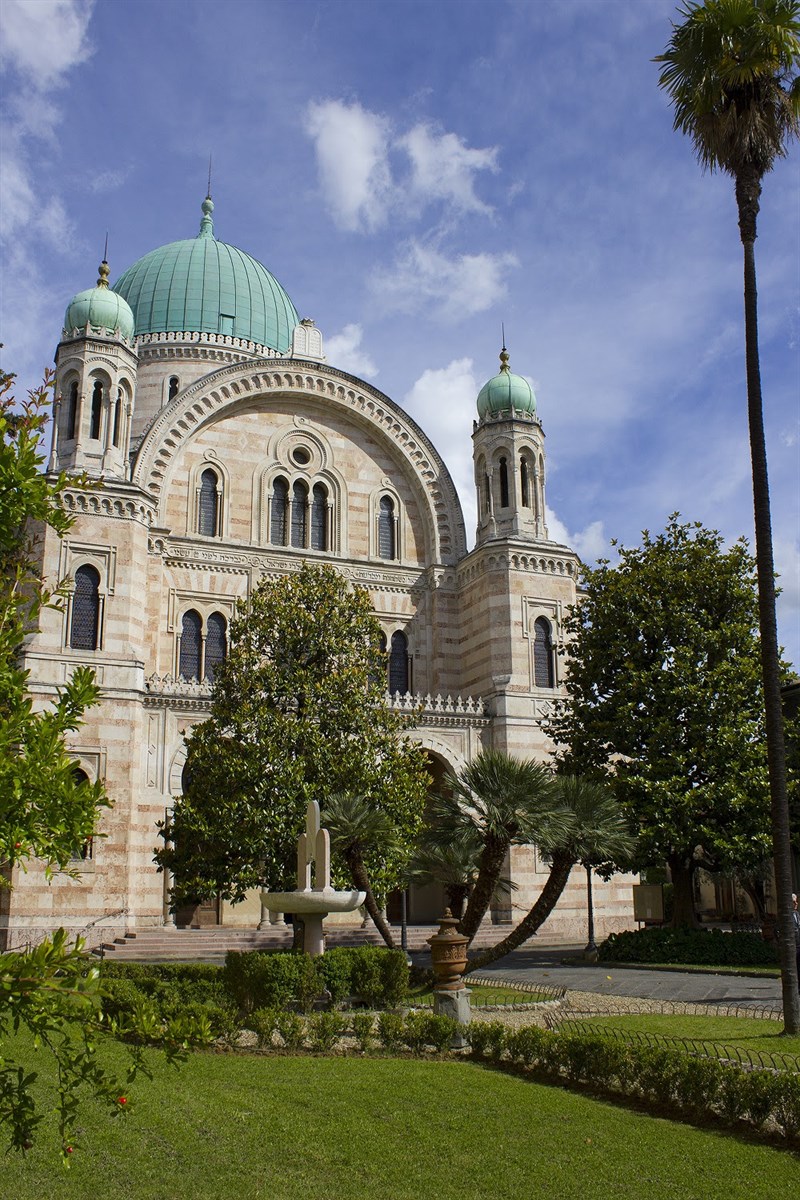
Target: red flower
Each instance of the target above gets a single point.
(122, 1100)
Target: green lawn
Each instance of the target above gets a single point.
(239, 1127)
(746, 1031)
(482, 994)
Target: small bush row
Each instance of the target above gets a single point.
(700, 947)
(417, 1031)
(699, 1087)
(377, 977)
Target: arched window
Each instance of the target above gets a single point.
(543, 671)
(118, 416)
(319, 518)
(299, 515)
(189, 660)
(84, 852)
(72, 410)
(387, 546)
(503, 483)
(174, 386)
(524, 483)
(208, 508)
(216, 645)
(85, 626)
(398, 664)
(97, 409)
(277, 513)
(186, 777)
(487, 495)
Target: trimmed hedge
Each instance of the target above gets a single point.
(684, 1083)
(376, 976)
(698, 947)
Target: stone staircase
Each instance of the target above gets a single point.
(211, 945)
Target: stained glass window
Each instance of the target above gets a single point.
(386, 539)
(319, 518)
(85, 609)
(277, 516)
(209, 501)
(215, 643)
(543, 673)
(398, 664)
(191, 626)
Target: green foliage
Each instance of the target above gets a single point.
(665, 696)
(362, 1028)
(264, 1023)
(336, 972)
(391, 1030)
(703, 947)
(255, 979)
(297, 714)
(379, 977)
(324, 1030)
(291, 1028)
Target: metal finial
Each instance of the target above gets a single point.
(208, 193)
(503, 331)
(105, 249)
(103, 274)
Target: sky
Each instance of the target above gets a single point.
(419, 174)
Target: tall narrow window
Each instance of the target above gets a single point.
(216, 627)
(398, 664)
(97, 409)
(319, 518)
(85, 630)
(85, 851)
(543, 669)
(174, 385)
(299, 515)
(118, 416)
(189, 661)
(503, 483)
(277, 513)
(72, 410)
(525, 483)
(387, 547)
(208, 513)
(487, 495)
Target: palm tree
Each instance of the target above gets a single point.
(357, 829)
(506, 801)
(596, 832)
(728, 72)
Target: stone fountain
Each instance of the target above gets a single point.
(312, 904)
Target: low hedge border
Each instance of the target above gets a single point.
(684, 1085)
(694, 947)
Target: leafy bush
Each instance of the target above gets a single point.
(487, 1038)
(263, 1022)
(701, 947)
(258, 980)
(362, 1027)
(786, 1103)
(391, 1029)
(292, 1029)
(120, 997)
(336, 970)
(699, 1083)
(324, 1029)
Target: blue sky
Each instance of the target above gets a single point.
(416, 172)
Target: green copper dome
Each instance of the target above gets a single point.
(201, 285)
(506, 393)
(100, 308)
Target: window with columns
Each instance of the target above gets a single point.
(85, 615)
(203, 645)
(387, 529)
(208, 504)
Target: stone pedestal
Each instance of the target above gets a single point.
(457, 1006)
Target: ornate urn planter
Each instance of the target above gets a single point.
(449, 954)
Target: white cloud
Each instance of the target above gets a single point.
(443, 168)
(590, 543)
(442, 401)
(457, 287)
(343, 350)
(43, 39)
(352, 147)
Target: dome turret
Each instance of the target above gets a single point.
(202, 285)
(506, 393)
(100, 308)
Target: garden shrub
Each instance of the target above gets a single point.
(655, 1072)
(391, 1030)
(258, 980)
(362, 1027)
(733, 1096)
(700, 947)
(487, 1038)
(759, 1094)
(698, 1083)
(524, 1045)
(292, 1029)
(336, 970)
(264, 1023)
(441, 1031)
(324, 1029)
(786, 1103)
(120, 997)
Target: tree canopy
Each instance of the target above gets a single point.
(664, 697)
(297, 714)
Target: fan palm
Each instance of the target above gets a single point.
(730, 70)
(594, 832)
(448, 853)
(506, 801)
(357, 830)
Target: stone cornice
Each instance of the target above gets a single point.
(540, 559)
(110, 499)
(232, 384)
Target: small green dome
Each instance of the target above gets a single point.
(100, 308)
(201, 285)
(506, 393)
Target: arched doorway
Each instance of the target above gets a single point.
(425, 903)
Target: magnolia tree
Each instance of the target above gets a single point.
(297, 714)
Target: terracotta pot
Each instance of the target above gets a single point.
(449, 954)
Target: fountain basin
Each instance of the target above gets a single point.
(316, 900)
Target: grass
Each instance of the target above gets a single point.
(481, 994)
(750, 1032)
(288, 1128)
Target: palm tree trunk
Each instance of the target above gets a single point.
(361, 879)
(489, 869)
(546, 902)
(748, 191)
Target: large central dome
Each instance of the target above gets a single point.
(201, 285)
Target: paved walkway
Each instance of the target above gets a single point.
(563, 966)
